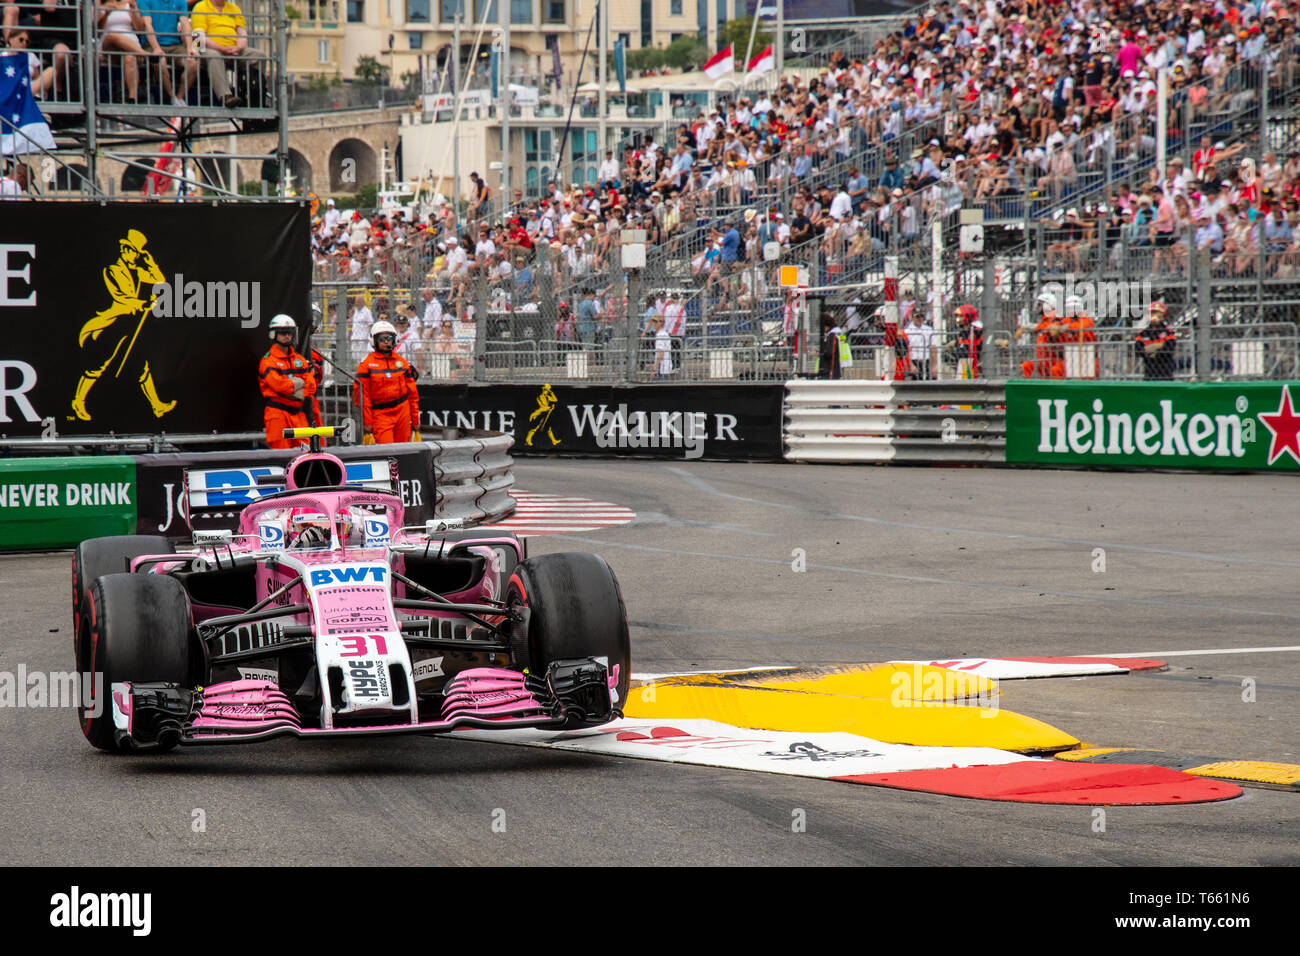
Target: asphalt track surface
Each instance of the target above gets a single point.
(901, 563)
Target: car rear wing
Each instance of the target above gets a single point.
(214, 498)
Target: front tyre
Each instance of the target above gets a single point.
(576, 610)
(135, 628)
(99, 556)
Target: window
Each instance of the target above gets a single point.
(521, 11)
(537, 145)
(626, 40)
(356, 11)
(417, 11)
(676, 8)
(448, 10)
(647, 23)
(493, 14)
(323, 10)
(553, 11)
(322, 51)
(416, 39)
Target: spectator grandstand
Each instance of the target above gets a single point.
(1148, 149)
(1043, 117)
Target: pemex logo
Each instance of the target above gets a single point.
(541, 416)
(114, 341)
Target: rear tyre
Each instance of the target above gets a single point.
(136, 627)
(576, 611)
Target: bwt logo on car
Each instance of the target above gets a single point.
(322, 576)
(271, 535)
(75, 909)
(377, 533)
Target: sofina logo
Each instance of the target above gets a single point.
(1213, 425)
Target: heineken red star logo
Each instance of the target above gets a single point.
(1284, 424)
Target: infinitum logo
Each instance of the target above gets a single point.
(77, 909)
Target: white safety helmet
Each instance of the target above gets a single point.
(1047, 301)
(283, 321)
(382, 328)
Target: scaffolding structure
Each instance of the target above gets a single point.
(127, 120)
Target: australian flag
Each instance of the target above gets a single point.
(22, 127)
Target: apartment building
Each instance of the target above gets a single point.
(328, 37)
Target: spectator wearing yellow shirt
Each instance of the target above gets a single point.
(221, 40)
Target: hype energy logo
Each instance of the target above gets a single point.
(1248, 425)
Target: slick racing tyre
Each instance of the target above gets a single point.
(576, 611)
(135, 627)
(107, 556)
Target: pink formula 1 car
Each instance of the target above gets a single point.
(323, 615)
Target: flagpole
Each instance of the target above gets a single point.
(780, 38)
(602, 40)
(753, 29)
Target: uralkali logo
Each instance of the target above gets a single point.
(1212, 425)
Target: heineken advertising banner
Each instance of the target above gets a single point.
(658, 421)
(139, 318)
(1220, 425)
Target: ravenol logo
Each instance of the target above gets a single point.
(352, 575)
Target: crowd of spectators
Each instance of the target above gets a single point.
(1241, 211)
(970, 102)
(148, 51)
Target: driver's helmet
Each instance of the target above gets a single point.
(309, 528)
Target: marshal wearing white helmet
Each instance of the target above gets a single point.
(385, 389)
(287, 381)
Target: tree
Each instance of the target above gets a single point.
(371, 72)
(686, 51)
(736, 32)
(646, 58)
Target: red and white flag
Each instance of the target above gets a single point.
(765, 62)
(722, 63)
